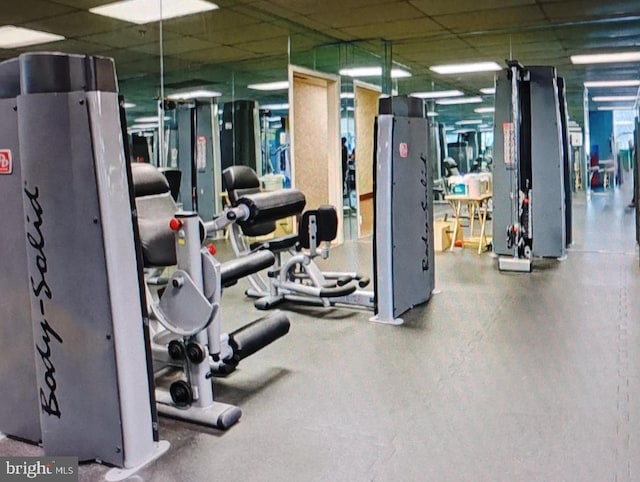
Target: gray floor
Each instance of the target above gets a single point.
(500, 377)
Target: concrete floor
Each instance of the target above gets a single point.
(500, 377)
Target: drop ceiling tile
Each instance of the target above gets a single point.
(123, 56)
(442, 7)
(308, 7)
(596, 9)
(402, 48)
(175, 46)
(518, 38)
(130, 36)
(387, 12)
(17, 12)
(402, 29)
(218, 55)
(272, 46)
(495, 19)
(208, 23)
(248, 33)
(82, 4)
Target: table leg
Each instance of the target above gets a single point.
(456, 214)
(483, 224)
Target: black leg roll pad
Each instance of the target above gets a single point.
(253, 337)
(337, 291)
(233, 270)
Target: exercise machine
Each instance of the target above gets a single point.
(250, 216)
(95, 393)
(20, 415)
(403, 218)
(566, 160)
(194, 146)
(240, 135)
(529, 210)
(185, 327)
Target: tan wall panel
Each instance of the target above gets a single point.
(310, 133)
(366, 213)
(314, 100)
(366, 110)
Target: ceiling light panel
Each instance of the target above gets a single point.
(485, 110)
(145, 120)
(469, 122)
(616, 107)
(613, 57)
(373, 72)
(146, 11)
(14, 37)
(437, 94)
(194, 94)
(488, 90)
(611, 83)
(275, 106)
(460, 100)
(466, 68)
(279, 85)
(614, 98)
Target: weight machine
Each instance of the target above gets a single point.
(529, 203)
(403, 219)
(95, 398)
(186, 326)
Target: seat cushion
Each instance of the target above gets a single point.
(276, 244)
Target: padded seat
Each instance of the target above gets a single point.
(276, 244)
(155, 208)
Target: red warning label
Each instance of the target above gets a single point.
(6, 166)
(404, 149)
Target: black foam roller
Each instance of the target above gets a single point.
(253, 337)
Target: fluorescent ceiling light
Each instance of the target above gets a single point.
(461, 100)
(347, 95)
(623, 123)
(274, 119)
(129, 105)
(13, 37)
(146, 11)
(399, 74)
(612, 83)
(143, 127)
(373, 72)
(463, 131)
(279, 85)
(466, 68)
(449, 128)
(606, 58)
(275, 106)
(616, 107)
(469, 122)
(484, 110)
(145, 120)
(350, 109)
(432, 114)
(488, 90)
(194, 94)
(614, 98)
(437, 94)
